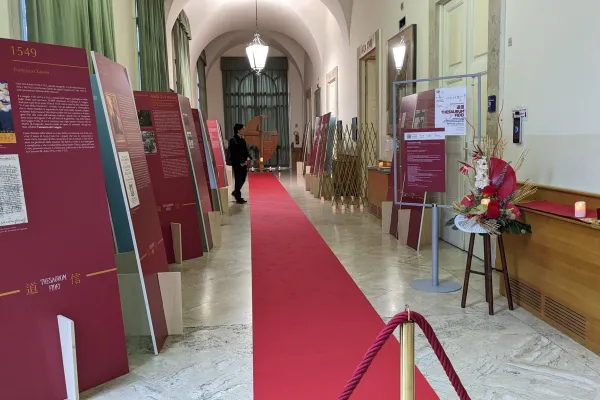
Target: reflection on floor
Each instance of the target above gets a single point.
(511, 355)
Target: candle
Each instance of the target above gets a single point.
(580, 210)
(485, 202)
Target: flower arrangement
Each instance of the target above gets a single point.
(490, 206)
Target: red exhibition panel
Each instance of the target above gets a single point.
(130, 156)
(217, 151)
(200, 136)
(196, 154)
(164, 140)
(55, 235)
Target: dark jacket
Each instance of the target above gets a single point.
(238, 150)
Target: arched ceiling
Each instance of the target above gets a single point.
(303, 20)
(285, 45)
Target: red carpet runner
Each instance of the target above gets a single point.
(311, 323)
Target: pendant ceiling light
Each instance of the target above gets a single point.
(399, 55)
(257, 51)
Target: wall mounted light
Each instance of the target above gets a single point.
(399, 55)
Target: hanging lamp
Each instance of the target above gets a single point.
(257, 51)
(399, 55)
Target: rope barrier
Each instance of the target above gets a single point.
(385, 334)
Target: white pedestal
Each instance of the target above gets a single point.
(229, 172)
(224, 200)
(215, 221)
(170, 291)
(66, 331)
(386, 216)
(299, 168)
(307, 181)
(176, 238)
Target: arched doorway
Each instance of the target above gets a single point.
(246, 95)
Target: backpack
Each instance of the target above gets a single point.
(228, 151)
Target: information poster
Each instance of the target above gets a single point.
(331, 131)
(126, 137)
(196, 157)
(205, 163)
(165, 145)
(315, 144)
(56, 247)
(322, 144)
(450, 108)
(214, 132)
(424, 157)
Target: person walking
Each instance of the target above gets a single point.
(239, 156)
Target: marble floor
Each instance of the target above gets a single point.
(512, 355)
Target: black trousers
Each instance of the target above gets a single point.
(239, 175)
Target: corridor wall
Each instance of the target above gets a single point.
(367, 18)
(551, 69)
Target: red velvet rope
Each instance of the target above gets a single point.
(385, 335)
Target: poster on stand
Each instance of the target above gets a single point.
(165, 144)
(196, 157)
(416, 110)
(216, 142)
(124, 139)
(424, 160)
(450, 110)
(55, 234)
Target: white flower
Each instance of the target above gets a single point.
(481, 173)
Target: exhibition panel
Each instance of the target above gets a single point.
(206, 198)
(55, 232)
(165, 141)
(137, 193)
(201, 184)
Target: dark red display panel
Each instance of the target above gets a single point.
(164, 139)
(127, 138)
(217, 151)
(200, 136)
(196, 154)
(56, 247)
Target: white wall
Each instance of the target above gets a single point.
(125, 38)
(214, 90)
(552, 69)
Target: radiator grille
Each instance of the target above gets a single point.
(565, 317)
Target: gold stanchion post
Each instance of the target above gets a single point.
(407, 357)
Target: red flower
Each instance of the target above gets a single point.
(493, 210)
(467, 201)
(465, 168)
(489, 191)
(515, 210)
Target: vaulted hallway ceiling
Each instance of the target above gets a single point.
(285, 24)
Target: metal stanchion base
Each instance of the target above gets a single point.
(425, 285)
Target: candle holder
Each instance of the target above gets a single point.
(580, 209)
